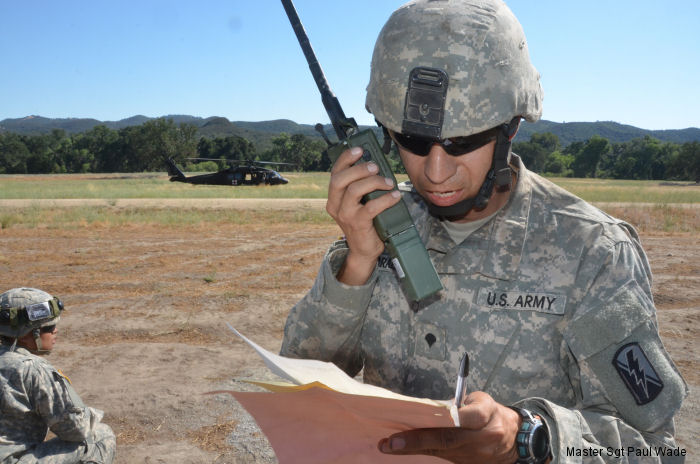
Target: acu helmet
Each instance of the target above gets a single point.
(455, 68)
(24, 310)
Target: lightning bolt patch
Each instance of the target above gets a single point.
(637, 373)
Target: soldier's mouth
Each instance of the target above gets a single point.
(446, 198)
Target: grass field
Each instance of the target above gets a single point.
(149, 284)
(301, 185)
(631, 191)
(151, 185)
(664, 204)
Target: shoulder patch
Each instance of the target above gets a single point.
(637, 373)
(58, 375)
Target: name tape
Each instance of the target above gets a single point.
(542, 302)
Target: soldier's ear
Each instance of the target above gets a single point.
(27, 341)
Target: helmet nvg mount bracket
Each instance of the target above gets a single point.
(425, 102)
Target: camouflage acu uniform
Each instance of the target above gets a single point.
(544, 298)
(35, 397)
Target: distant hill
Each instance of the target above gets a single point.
(262, 132)
(32, 125)
(615, 132)
(567, 132)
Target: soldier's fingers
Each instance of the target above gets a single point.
(425, 441)
(477, 411)
(354, 212)
(346, 159)
(356, 216)
(373, 207)
(340, 181)
(358, 189)
(347, 188)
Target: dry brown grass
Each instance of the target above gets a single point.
(213, 437)
(658, 218)
(147, 304)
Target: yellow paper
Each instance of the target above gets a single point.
(277, 387)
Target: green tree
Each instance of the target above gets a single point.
(685, 164)
(394, 160)
(145, 147)
(101, 143)
(302, 151)
(226, 148)
(535, 152)
(205, 148)
(586, 160)
(44, 152)
(661, 162)
(233, 147)
(643, 158)
(13, 154)
(559, 164)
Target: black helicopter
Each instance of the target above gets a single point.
(243, 173)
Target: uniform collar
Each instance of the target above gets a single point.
(18, 349)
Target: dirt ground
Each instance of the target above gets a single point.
(144, 336)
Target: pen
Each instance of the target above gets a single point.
(461, 389)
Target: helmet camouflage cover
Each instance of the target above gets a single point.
(478, 48)
(25, 309)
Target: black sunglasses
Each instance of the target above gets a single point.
(455, 146)
(48, 329)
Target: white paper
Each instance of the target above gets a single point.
(303, 371)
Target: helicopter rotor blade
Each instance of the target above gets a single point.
(211, 159)
(273, 162)
(241, 161)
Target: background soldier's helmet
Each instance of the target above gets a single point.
(25, 309)
(449, 68)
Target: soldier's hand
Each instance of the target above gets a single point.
(487, 434)
(347, 186)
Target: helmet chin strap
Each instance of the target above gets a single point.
(499, 175)
(36, 333)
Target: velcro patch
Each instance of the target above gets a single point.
(385, 262)
(638, 374)
(542, 302)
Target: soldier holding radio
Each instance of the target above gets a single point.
(550, 296)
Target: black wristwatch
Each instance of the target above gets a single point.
(532, 440)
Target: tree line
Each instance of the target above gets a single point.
(145, 147)
(643, 158)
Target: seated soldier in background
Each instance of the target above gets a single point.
(35, 397)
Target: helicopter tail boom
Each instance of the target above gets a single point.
(173, 171)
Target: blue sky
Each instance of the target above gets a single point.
(634, 62)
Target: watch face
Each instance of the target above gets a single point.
(532, 440)
(539, 444)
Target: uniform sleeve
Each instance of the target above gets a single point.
(627, 387)
(327, 322)
(57, 402)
